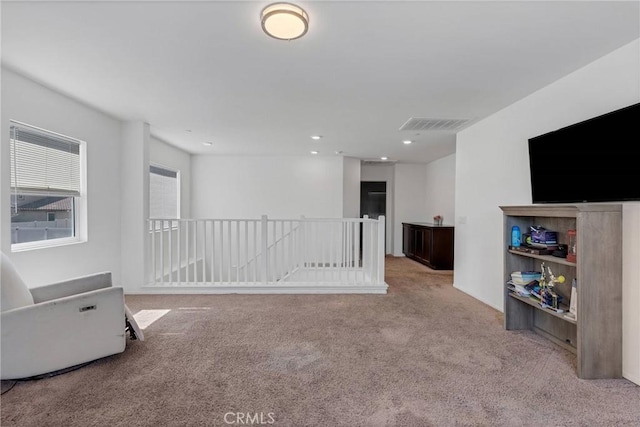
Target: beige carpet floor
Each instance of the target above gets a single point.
(425, 354)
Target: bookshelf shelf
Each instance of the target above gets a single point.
(545, 258)
(596, 335)
(535, 304)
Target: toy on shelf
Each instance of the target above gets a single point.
(548, 296)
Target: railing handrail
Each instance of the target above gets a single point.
(268, 220)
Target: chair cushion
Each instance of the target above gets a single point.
(14, 292)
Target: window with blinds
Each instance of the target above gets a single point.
(164, 195)
(45, 183)
(44, 163)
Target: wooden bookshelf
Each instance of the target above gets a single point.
(596, 335)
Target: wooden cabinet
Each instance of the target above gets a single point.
(431, 245)
(596, 335)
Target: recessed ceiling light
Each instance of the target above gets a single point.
(407, 142)
(189, 130)
(384, 158)
(316, 137)
(207, 144)
(314, 152)
(338, 152)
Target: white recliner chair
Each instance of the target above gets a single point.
(59, 326)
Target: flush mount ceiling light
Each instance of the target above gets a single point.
(384, 158)
(207, 144)
(316, 137)
(284, 21)
(407, 142)
(314, 152)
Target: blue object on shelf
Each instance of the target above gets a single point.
(515, 236)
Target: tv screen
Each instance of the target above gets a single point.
(597, 160)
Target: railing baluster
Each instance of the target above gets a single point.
(246, 251)
(186, 251)
(213, 252)
(336, 245)
(273, 259)
(179, 250)
(203, 237)
(281, 247)
(292, 253)
(255, 251)
(323, 239)
(347, 255)
(230, 260)
(154, 273)
(350, 254)
(238, 251)
(315, 245)
(170, 255)
(372, 242)
(264, 244)
(195, 251)
(221, 251)
(330, 244)
(162, 252)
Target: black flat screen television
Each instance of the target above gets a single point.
(597, 160)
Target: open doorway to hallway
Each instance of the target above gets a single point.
(373, 201)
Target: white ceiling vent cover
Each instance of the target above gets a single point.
(424, 124)
(377, 162)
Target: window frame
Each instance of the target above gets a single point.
(79, 225)
(173, 224)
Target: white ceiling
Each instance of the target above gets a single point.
(362, 70)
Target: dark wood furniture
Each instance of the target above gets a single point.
(429, 244)
(596, 335)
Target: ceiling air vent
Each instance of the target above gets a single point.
(377, 162)
(424, 124)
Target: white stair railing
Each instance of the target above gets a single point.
(228, 252)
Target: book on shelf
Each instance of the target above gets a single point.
(525, 277)
(535, 298)
(532, 250)
(518, 289)
(526, 273)
(551, 246)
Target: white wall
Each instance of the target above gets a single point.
(134, 196)
(492, 170)
(171, 157)
(351, 188)
(441, 189)
(280, 187)
(29, 102)
(410, 190)
(383, 173)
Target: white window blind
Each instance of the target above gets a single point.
(163, 193)
(44, 163)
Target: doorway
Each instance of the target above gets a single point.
(373, 202)
(373, 199)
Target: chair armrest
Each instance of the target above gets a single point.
(70, 287)
(57, 334)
